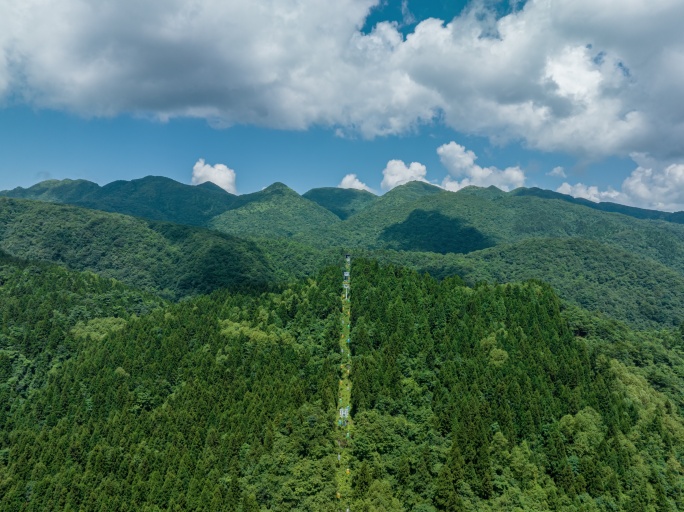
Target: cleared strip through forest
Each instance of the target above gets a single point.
(344, 420)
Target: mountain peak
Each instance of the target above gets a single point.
(278, 186)
(414, 189)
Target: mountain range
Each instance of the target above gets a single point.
(601, 256)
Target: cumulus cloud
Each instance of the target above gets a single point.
(590, 78)
(655, 185)
(592, 193)
(652, 185)
(460, 162)
(218, 174)
(283, 65)
(352, 181)
(396, 173)
(558, 172)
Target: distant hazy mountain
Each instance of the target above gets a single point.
(639, 213)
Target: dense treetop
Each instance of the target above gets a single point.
(464, 398)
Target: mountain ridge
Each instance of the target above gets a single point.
(427, 227)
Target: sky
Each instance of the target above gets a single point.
(579, 96)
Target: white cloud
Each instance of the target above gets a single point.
(592, 193)
(407, 16)
(398, 173)
(218, 174)
(586, 77)
(558, 172)
(460, 163)
(652, 184)
(352, 181)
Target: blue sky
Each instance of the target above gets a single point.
(482, 93)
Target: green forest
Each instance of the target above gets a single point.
(168, 347)
(496, 397)
(492, 398)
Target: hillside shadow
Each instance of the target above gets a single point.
(208, 261)
(430, 231)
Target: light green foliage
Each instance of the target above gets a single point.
(277, 211)
(97, 328)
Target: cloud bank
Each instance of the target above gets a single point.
(218, 174)
(592, 192)
(652, 184)
(588, 78)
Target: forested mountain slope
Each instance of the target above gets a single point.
(415, 217)
(152, 197)
(595, 276)
(473, 219)
(512, 236)
(598, 277)
(44, 311)
(482, 399)
(343, 202)
(467, 395)
(464, 399)
(171, 259)
(222, 402)
(276, 211)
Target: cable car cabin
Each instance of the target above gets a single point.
(346, 276)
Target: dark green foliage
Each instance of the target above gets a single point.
(483, 399)
(46, 312)
(152, 197)
(223, 402)
(170, 259)
(433, 232)
(490, 397)
(595, 276)
(598, 277)
(570, 243)
(343, 202)
(504, 218)
(40, 304)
